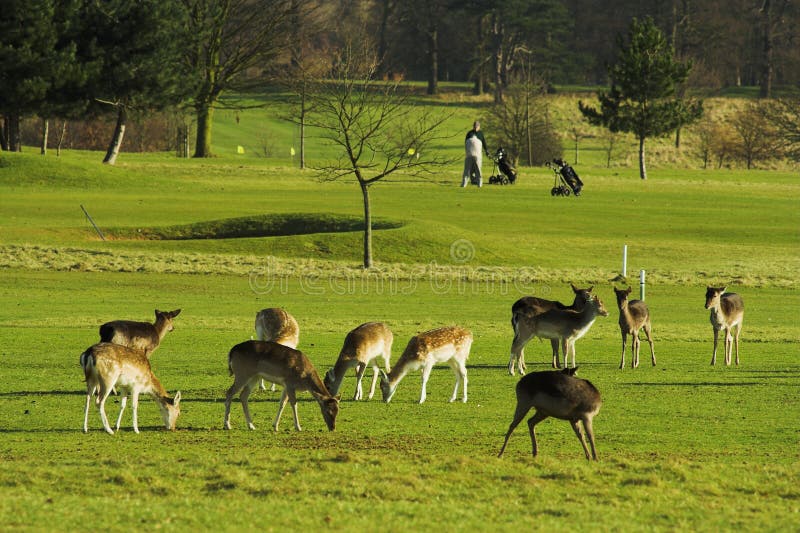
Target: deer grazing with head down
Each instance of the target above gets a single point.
(106, 365)
(251, 361)
(450, 344)
(276, 325)
(727, 312)
(142, 336)
(567, 325)
(522, 313)
(558, 394)
(361, 348)
(633, 316)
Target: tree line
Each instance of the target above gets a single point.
(74, 59)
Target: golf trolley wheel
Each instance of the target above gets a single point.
(566, 191)
(554, 191)
(504, 180)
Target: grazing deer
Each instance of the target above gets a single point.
(141, 336)
(522, 313)
(106, 365)
(633, 316)
(276, 325)
(727, 312)
(559, 394)
(362, 346)
(449, 344)
(251, 361)
(567, 325)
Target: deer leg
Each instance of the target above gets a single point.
(123, 401)
(518, 353)
(293, 403)
(103, 416)
(648, 331)
(716, 339)
(554, 347)
(360, 369)
(587, 426)
(86, 411)
(636, 345)
(375, 373)
(532, 421)
(460, 372)
(244, 397)
(135, 410)
(728, 346)
(235, 388)
(738, 331)
(426, 373)
(577, 429)
(624, 340)
(281, 406)
(520, 412)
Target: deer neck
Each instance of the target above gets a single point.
(160, 325)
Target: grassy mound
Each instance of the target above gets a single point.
(272, 225)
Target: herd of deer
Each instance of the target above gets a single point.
(121, 360)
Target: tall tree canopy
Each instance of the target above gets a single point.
(643, 85)
(229, 37)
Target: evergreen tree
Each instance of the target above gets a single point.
(643, 84)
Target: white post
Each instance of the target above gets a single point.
(625, 261)
(641, 285)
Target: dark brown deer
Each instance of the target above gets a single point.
(727, 312)
(142, 336)
(557, 394)
(633, 316)
(251, 361)
(106, 365)
(524, 310)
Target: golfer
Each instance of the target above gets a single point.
(475, 147)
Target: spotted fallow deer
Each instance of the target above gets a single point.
(558, 394)
(251, 361)
(361, 348)
(633, 316)
(567, 325)
(106, 365)
(450, 344)
(142, 336)
(276, 325)
(522, 313)
(727, 312)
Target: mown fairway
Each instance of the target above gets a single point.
(682, 446)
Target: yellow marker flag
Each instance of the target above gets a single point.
(240, 149)
(291, 151)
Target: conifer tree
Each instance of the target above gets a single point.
(642, 99)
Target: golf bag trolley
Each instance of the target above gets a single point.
(566, 179)
(507, 174)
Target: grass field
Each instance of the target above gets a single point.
(683, 446)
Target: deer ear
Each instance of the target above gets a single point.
(175, 313)
(574, 288)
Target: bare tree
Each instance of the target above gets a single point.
(376, 129)
(784, 114)
(757, 138)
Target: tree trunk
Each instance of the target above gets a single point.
(367, 225)
(205, 112)
(480, 80)
(45, 132)
(13, 133)
(61, 138)
(497, 34)
(642, 167)
(765, 85)
(433, 58)
(119, 133)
